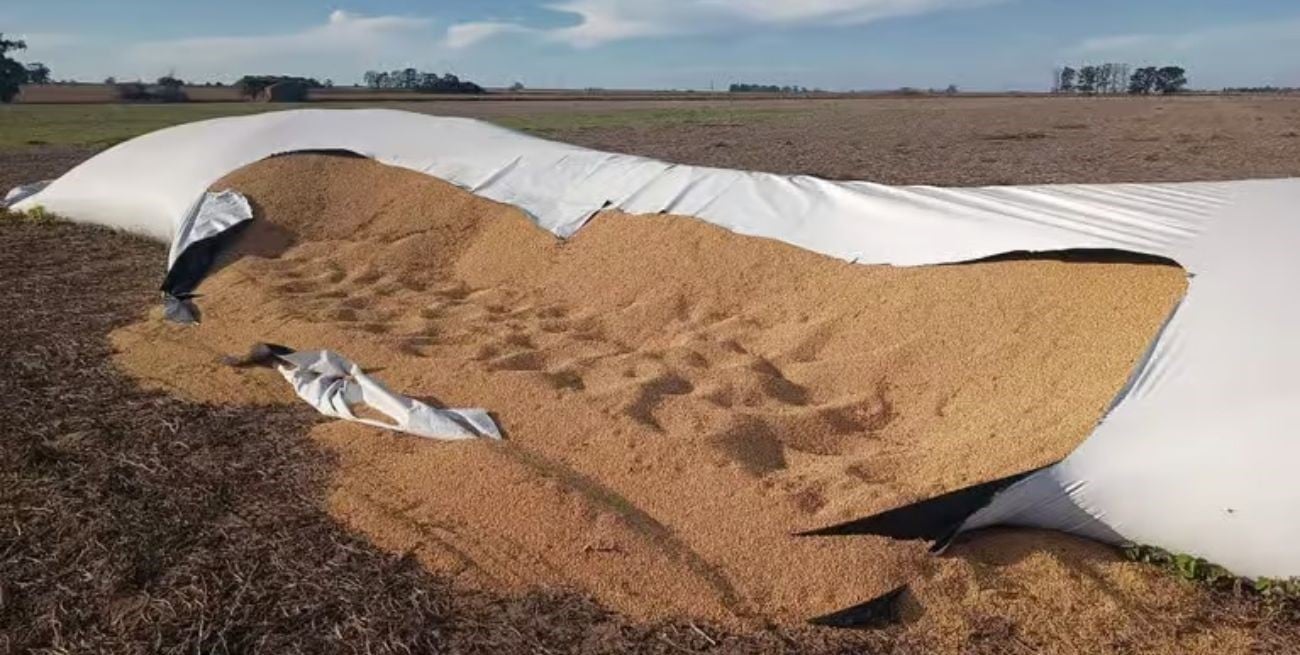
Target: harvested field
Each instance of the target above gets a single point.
(33, 164)
(942, 141)
(982, 141)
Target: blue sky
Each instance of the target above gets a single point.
(832, 44)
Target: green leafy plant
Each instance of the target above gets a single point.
(1287, 590)
(37, 214)
(1198, 570)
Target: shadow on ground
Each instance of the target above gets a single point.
(134, 522)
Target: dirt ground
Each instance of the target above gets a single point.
(35, 164)
(940, 141)
(136, 522)
(982, 141)
(946, 141)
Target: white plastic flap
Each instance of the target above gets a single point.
(334, 386)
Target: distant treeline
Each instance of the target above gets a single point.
(766, 88)
(250, 86)
(773, 88)
(413, 80)
(1119, 78)
(1262, 89)
(170, 88)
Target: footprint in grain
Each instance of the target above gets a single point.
(650, 393)
(565, 379)
(296, 287)
(416, 346)
(752, 443)
(833, 428)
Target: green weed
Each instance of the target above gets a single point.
(1197, 569)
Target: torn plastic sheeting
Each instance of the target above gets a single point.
(1198, 457)
(141, 185)
(334, 385)
(23, 192)
(213, 214)
(210, 225)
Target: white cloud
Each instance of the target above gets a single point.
(605, 21)
(1254, 34)
(343, 30)
(365, 40)
(464, 35)
(602, 21)
(347, 43)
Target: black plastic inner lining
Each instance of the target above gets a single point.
(936, 519)
(1077, 256)
(875, 613)
(196, 261)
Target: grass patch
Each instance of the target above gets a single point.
(36, 214)
(103, 125)
(23, 126)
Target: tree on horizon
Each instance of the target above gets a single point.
(12, 74)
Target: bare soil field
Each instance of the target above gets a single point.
(38, 163)
(137, 521)
(939, 141)
(957, 141)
